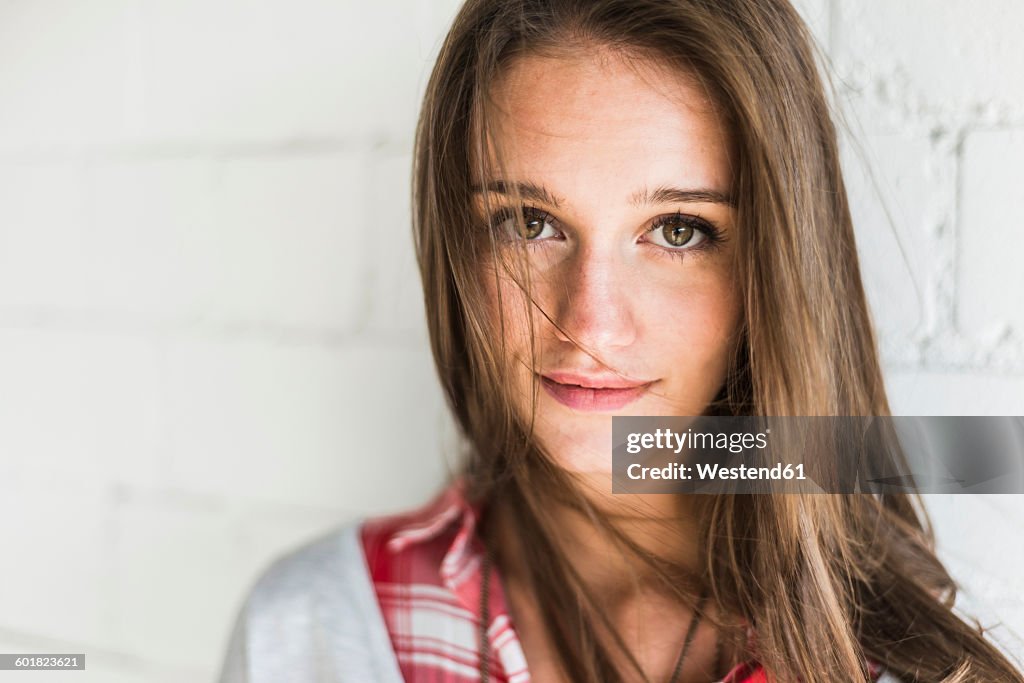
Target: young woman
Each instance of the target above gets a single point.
(628, 207)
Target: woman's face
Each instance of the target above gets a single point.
(625, 173)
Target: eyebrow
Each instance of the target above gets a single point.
(662, 195)
(527, 190)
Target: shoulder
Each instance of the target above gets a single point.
(334, 570)
(312, 615)
(309, 573)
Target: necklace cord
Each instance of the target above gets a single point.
(691, 633)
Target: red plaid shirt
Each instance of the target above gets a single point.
(425, 567)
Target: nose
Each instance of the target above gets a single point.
(594, 304)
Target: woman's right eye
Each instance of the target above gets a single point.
(534, 225)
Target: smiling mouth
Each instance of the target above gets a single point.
(592, 394)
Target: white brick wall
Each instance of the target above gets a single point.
(210, 320)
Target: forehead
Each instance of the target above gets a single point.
(603, 118)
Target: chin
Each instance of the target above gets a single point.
(585, 447)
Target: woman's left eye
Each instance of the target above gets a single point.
(680, 232)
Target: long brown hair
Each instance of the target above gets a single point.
(826, 580)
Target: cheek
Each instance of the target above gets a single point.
(511, 310)
(692, 328)
(509, 318)
(507, 310)
(714, 317)
(508, 315)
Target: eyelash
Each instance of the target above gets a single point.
(713, 236)
(528, 213)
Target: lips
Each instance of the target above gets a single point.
(593, 393)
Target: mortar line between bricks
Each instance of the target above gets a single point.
(368, 263)
(42, 644)
(218, 504)
(953, 239)
(190, 149)
(833, 28)
(975, 371)
(228, 330)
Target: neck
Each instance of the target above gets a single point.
(661, 524)
(650, 625)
